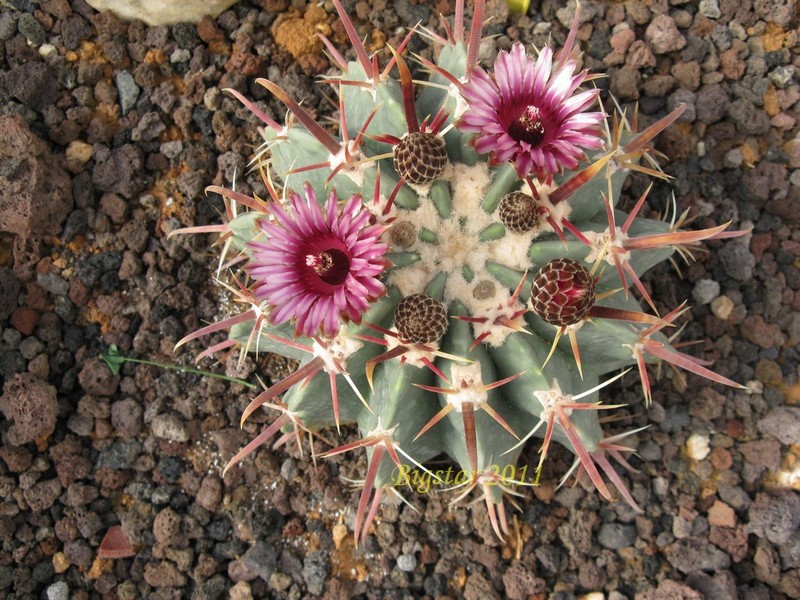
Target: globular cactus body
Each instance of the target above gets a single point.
(472, 213)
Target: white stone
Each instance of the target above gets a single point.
(710, 9)
(162, 12)
(697, 447)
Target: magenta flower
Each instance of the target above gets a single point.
(319, 265)
(529, 112)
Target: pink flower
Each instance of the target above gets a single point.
(319, 265)
(529, 112)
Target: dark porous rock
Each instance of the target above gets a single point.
(74, 29)
(737, 260)
(79, 553)
(520, 582)
(120, 455)
(30, 404)
(259, 561)
(32, 83)
(316, 568)
(9, 293)
(748, 118)
(35, 192)
(775, 516)
(720, 586)
(616, 535)
(43, 494)
(17, 458)
(694, 554)
(97, 379)
(126, 417)
(121, 172)
(670, 590)
(780, 12)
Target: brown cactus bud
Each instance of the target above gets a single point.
(420, 319)
(403, 234)
(518, 212)
(562, 292)
(420, 158)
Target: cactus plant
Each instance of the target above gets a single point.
(451, 268)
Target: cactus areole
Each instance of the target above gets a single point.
(451, 270)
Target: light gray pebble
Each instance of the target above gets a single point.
(661, 487)
(53, 283)
(169, 427)
(733, 159)
(649, 451)
(181, 55)
(616, 535)
(128, 91)
(58, 591)
(782, 76)
(406, 562)
(705, 291)
(289, 469)
(172, 149)
(737, 261)
(710, 9)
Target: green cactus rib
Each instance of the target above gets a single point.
(500, 373)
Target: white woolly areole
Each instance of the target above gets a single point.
(466, 379)
(337, 351)
(550, 399)
(381, 431)
(458, 244)
(454, 92)
(353, 168)
(378, 209)
(601, 242)
(415, 353)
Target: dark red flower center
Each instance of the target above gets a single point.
(528, 126)
(332, 265)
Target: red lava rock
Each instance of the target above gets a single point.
(732, 540)
(37, 193)
(762, 453)
(210, 493)
(17, 459)
(731, 64)
(115, 544)
(72, 467)
(167, 527)
(670, 590)
(721, 459)
(520, 582)
(767, 335)
(663, 36)
(163, 574)
(208, 30)
(721, 515)
(24, 320)
(96, 378)
(31, 405)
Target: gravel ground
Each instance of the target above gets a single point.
(109, 132)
